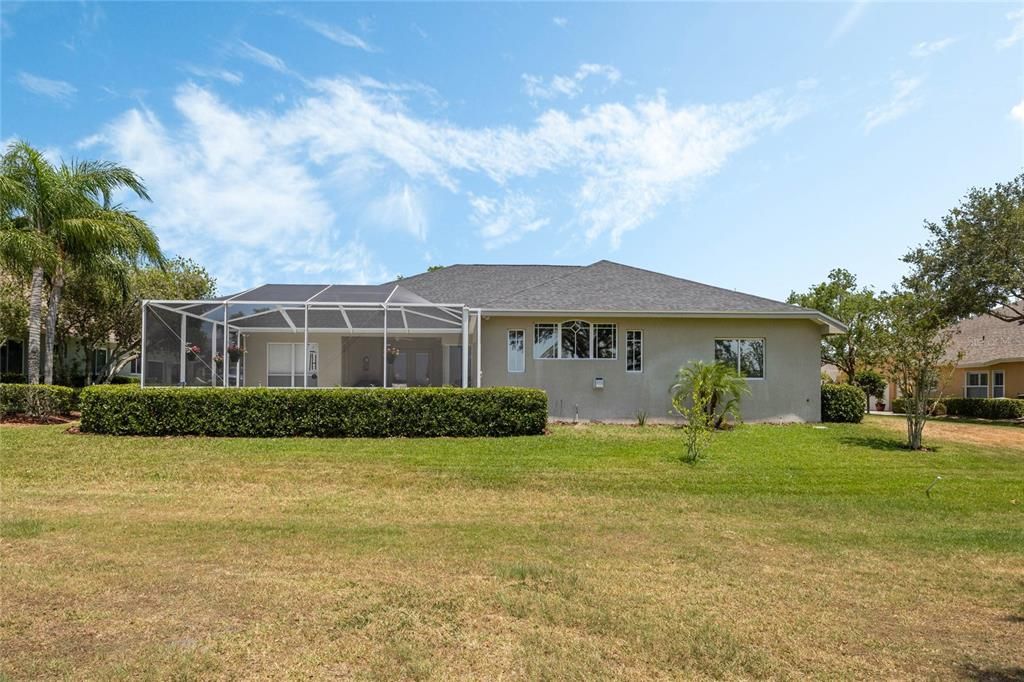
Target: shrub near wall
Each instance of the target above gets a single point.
(842, 403)
(36, 400)
(985, 408)
(363, 413)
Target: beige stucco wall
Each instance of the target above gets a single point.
(790, 390)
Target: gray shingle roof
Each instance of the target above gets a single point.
(986, 340)
(603, 286)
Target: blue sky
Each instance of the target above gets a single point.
(751, 146)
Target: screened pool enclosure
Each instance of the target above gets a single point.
(310, 336)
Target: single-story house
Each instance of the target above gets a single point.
(991, 358)
(603, 340)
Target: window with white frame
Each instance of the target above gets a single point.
(998, 384)
(745, 355)
(286, 365)
(516, 350)
(976, 385)
(634, 350)
(575, 340)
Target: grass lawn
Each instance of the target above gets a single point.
(588, 553)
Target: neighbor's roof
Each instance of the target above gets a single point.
(602, 287)
(987, 340)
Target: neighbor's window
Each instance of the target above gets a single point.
(516, 350)
(746, 355)
(634, 350)
(998, 384)
(575, 340)
(977, 385)
(544, 337)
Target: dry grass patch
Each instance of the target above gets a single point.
(590, 553)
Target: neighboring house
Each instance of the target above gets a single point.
(992, 360)
(604, 340)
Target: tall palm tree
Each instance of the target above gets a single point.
(68, 210)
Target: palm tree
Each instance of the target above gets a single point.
(61, 217)
(720, 384)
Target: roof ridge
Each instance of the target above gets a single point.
(578, 269)
(701, 284)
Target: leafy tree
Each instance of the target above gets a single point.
(723, 385)
(915, 337)
(975, 259)
(858, 309)
(106, 307)
(58, 218)
(871, 382)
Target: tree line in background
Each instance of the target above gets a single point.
(76, 265)
(972, 265)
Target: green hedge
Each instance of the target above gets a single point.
(985, 408)
(364, 413)
(36, 400)
(842, 403)
(899, 406)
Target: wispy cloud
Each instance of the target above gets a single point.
(262, 184)
(402, 209)
(1017, 112)
(537, 87)
(1016, 32)
(502, 222)
(560, 22)
(929, 47)
(232, 77)
(848, 20)
(335, 34)
(256, 55)
(62, 91)
(901, 102)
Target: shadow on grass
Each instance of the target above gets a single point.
(994, 674)
(881, 443)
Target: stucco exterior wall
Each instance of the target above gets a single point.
(790, 390)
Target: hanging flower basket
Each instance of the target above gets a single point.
(235, 352)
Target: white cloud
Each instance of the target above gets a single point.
(506, 221)
(401, 208)
(249, 189)
(1017, 111)
(1016, 33)
(848, 20)
(929, 47)
(61, 91)
(568, 86)
(231, 77)
(254, 54)
(902, 102)
(560, 22)
(335, 34)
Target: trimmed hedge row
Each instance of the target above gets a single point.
(842, 403)
(985, 408)
(36, 400)
(362, 413)
(899, 406)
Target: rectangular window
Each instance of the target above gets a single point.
(745, 355)
(998, 384)
(544, 341)
(977, 385)
(634, 350)
(605, 347)
(286, 364)
(516, 350)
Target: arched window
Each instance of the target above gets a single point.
(575, 339)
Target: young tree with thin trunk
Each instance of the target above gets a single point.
(915, 338)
